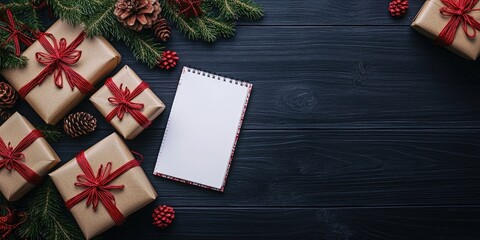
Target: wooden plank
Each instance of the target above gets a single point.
(332, 12)
(459, 223)
(328, 168)
(330, 78)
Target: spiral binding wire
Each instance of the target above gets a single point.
(218, 77)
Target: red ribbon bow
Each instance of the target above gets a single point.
(12, 157)
(10, 221)
(122, 99)
(459, 11)
(15, 35)
(57, 60)
(97, 188)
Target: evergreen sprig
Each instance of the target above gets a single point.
(218, 21)
(46, 217)
(24, 10)
(52, 133)
(237, 9)
(143, 46)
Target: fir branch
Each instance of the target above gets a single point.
(46, 217)
(68, 10)
(144, 47)
(9, 60)
(102, 21)
(17, 5)
(52, 133)
(236, 9)
(205, 27)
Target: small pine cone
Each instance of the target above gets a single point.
(161, 29)
(398, 8)
(169, 60)
(137, 14)
(8, 95)
(163, 216)
(79, 124)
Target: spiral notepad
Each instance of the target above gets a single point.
(203, 128)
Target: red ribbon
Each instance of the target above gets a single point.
(459, 11)
(189, 8)
(97, 188)
(122, 99)
(57, 60)
(15, 35)
(12, 157)
(10, 221)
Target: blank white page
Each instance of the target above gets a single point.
(202, 129)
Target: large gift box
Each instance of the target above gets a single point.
(444, 21)
(103, 185)
(25, 156)
(127, 103)
(63, 67)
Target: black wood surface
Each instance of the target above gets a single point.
(358, 128)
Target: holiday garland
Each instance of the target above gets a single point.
(143, 25)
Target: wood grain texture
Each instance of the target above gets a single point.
(358, 128)
(309, 223)
(330, 78)
(327, 168)
(332, 13)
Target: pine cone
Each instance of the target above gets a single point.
(398, 8)
(79, 124)
(8, 96)
(137, 14)
(162, 30)
(163, 216)
(169, 60)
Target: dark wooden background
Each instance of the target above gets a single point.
(358, 128)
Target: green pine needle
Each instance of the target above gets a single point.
(218, 21)
(47, 219)
(52, 133)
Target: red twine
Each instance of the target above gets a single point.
(97, 188)
(16, 34)
(57, 60)
(122, 99)
(12, 157)
(459, 11)
(189, 8)
(10, 221)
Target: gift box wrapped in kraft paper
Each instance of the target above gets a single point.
(127, 103)
(452, 24)
(25, 157)
(103, 185)
(63, 66)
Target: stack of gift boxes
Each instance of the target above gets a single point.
(104, 182)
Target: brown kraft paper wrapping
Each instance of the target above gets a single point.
(39, 157)
(430, 22)
(128, 127)
(52, 103)
(137, 192)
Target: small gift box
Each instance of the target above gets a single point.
(127, 103)
(453, 24)
(63, 67)
(103, 185)
(25, 156)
